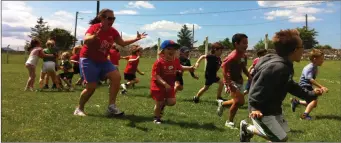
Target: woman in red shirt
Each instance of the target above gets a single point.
(94, 63)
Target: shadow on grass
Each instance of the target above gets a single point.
(330, 117)
(134, 119)
(296, 131)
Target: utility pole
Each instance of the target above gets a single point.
(97, 7)
(74, 43)
(306, 22)
(266, 41)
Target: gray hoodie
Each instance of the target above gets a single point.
(271, 83)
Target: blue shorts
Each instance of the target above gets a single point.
(92, 72)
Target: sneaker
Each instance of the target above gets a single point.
(220, 109)
(196, 99)
(294, 103)
(230, 125)
(114, 112)
(79, 113)
(306, 117)
(124, 86)
(221, 98)
(244, 136)
(46, 86)
(157, 120)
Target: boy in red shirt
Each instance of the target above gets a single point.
(163, 78)
(260, 53)
(233, 66)
(131, 68)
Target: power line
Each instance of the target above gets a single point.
(225, 11)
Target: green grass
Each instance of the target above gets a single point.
(47, 116)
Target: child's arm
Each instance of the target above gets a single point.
(226, 74)
(196, 65)
(141, 73)
(124, 57)
(73, 61)
(131, 60)
(250, 68)
(162, 82)
(43, 55)
(314, 82)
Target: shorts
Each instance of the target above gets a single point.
(129, 76)
(67, 76)
(49, 66)
(309, 88)
(161, 95)
(274, 127)
(92, 71)
(179, 78)
(210, 80)
(237, 86)
(75, 69)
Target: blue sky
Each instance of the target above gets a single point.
(324, 17)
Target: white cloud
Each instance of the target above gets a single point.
(167, 25)
(284, 3)
(297, 19)
(87, 12)
(140, 4)
(329, 4)
(126, 12)
(308, 10)
(167, 34)
(192, 11)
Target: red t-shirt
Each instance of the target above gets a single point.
(166, 70)
(114, 56)
(75, 57)
(132, 66)
(233, 66)
(98, 50)
(255, 61)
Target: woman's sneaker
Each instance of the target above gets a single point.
(113, 111)
(79, 112)
(230, 125)
(157, 120)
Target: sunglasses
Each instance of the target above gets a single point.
(111, 18)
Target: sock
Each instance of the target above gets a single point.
(112, 106)
(251, 129)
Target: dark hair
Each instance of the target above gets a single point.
(97, 19)
(237, 38)
(34, 43)
(216, 46)
(135, 49)
(286, 41)
(261, 52)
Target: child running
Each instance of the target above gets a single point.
(213, 65)
(260, 53)
(36, 52)
(233, 66)
(184, 61)
(49, 65)
(272, 81)
(131, 68)
(75, 61)
(163, 78)
(307, 81)
(67, 74)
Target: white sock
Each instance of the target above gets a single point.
(251, 129)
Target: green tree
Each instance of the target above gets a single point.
(154, 47)
(201, 48)
(308, 37)
(185, 37)
(261, 45)
(327, 47)
(227, 43)
(64, 39)
(41, 31)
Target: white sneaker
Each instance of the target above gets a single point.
(230, 125)
(114, 111)
(220, 109)
(124, 86)
(79, 112)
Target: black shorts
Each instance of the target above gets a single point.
(75, 69)
(309, 88)
(67, 75)
(179, 78)
(210, 80)
(129, 76)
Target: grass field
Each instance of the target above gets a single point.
(48, 116)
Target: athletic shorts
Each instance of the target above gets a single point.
(92, 71)
(274, 127)
(309, 88)
(210, 80)
(179, 78)
(48, 66)
(161, 95)
(67, 75)
(129, 76)
(237, 86)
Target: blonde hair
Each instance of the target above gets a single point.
(76, 49)
(315, 53)
(65, 55)
(50, 43)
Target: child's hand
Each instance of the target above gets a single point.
(324, 89)
(167, 87)
(256, 114)
(196, 77)
(318, 91)
(192, 69)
